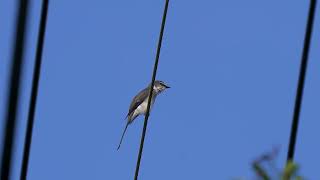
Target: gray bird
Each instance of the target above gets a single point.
(139, 103)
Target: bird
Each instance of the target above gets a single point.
(139, 103)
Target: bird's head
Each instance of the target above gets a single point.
(159, 86)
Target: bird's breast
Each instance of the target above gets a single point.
(142, 108)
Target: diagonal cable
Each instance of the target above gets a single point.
(13, 89)
(34, 90)
(303, 69)
(151, 89)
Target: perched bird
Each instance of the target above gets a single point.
(139, 103)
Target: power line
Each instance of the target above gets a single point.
(303, 69)
(34, 90)
(13, 91)
(151, 89)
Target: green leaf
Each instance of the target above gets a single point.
(290, 170)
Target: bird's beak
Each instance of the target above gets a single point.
(168, 86)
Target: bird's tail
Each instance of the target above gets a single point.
(125, 129)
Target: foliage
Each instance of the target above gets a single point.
(261, 167)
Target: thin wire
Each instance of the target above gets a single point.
(13, 91)
(34, 91)
(151, 89)
(303, 69)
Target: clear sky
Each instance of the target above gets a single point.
(232, 65)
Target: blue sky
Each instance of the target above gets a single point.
(232, 65)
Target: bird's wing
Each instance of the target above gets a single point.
(138, 99)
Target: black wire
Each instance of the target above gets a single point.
(34, 90)
(151, 89)
(303, 69)
(13, 91)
